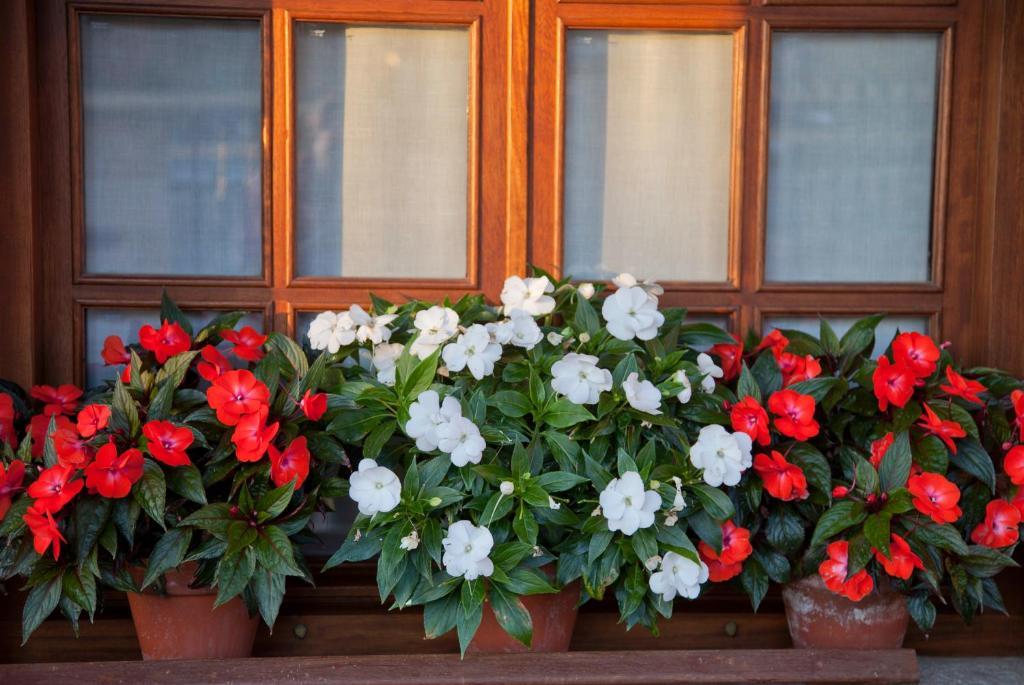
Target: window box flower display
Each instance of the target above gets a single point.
(187, 482)
(518, 460)
(874, 490)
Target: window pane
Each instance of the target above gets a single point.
(172, 125)
(851, 151)
(101, 323)
(648, 124)
(382, 151)
(884, 333)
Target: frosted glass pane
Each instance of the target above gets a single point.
(884, 333)
(647, 154)
(172, 125)
(101, 323)
(851, 150)
(382, 150)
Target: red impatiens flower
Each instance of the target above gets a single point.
(879, 447)
(1001, 527)
(894, 383)
(112, 474)
(7, 431)
(796, 369)
(72, 449)
(248, 343)
(916, 352)
(62, 400)
(54, 488)
(735, 549)
(169, 340)
(794, 414)
(38, 427)
(213, 363)
(935, 496)
(901, 561)
(313, 405)
(252, 436)
(1017, 397)
(961, 387)
(945, 430)
(44, 531)
(776, 341)
(10, 484)
(782, 480)
(730, 358)
(1013, 464)
(167, 442)
(235, 394)
(840, 491)
(114, 352)
(835, 569)
(93, 419)
(750, 417)
(292, 464)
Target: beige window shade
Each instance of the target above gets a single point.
(381, 151)
(172, 131)
(648, 120)
(851, 154)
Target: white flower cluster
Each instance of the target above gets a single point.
(626, 505)
(473, 350)
(723, 455)
(440, 425)
(333, 330)
(678, 576)
(375, 488)
(466, 551)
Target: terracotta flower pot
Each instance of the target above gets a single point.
(184, 625)
(819, 618)
(553, 617)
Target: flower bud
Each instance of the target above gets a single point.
(555, 338)
(410, 541)
(507, 487)
(434, 501)
(653, 562)
(840, 491)
(552, 504)
(586, 290)
(584, 337)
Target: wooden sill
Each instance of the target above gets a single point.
(886, 667)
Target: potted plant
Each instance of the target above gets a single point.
(188, 482)
(518, 461)
(890, 503)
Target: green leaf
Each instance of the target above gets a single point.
(469, 614)
(213, 518)
(599, 542)
(559, 481)
(221, 322)
(498, 506)
(91, 515)
(674, 539)
(715, 502)
(168, 553)
(814, 465)
(169, 311)
(748, 386)
(233, 574)
(585, 319)
(829, 340)
(754, 580)
(943, 536)
(895, 467)
(273, 502)
(366, 547)
(40, 603)
(922, 611)
(511, 403)
(187, 482)
(972, 458)
(703, 334)
(860, 336)
(170, 377)
(837, 519)
(274, 551)
(440, 616)
(818, 388)
(784, 530)
(124, 413)
(529, 581)
(644, 543)
(562, 414)
(80, 587)
(269, 591)
(535, 386)
(625, 463)
(876, 530)
(378, 437)
(525, 526)
(151, 491)
(984, 562)
(511, 614)
(419, 377)
(291, 352)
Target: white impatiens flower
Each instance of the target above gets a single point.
(632, 313)
(586, 290)
(473, 350)
(686, 393)
(678, 576)
(385, 359)
(331, 331)
(578, 377)
(529, 295)
(626, 505)
(374, 488)
(709, 370)
(722, 455)
(461, 440)
(466, 550)
(426, 415)
(501, 331)
(372, 329)
(625, 280)
(436, 326)
(641, 395)
(507, 487)
(555, 338)
(525, 331)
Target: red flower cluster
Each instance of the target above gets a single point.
(93, 419)
(213, 364)
(10, 484)
(114, 353)
(730, 358)
(735, 549)
(879, 447)
(750, 417)
(252, 435)
(313, 405)
(292, 464)
(915, 357)
(782, 480)
(794, 414)
(169, 340)
(7, 432)
(62, 400)
(247, 343)
(835, 569)
(943, 429)
(935, 496)
(1001, 527)
(112, 474)
(961, 387)
(167, 443)
(235, 394)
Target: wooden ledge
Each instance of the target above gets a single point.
(675, 667)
